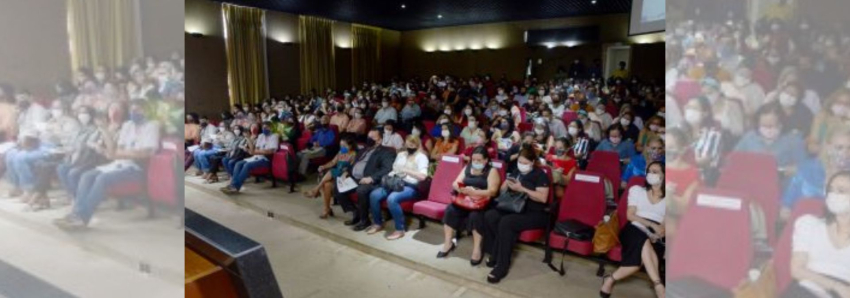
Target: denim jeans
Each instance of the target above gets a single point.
(94, 184)
(19, 165)
(70, 176)
(229, 165)
(243, 169)
(202, 159)
(393, 200)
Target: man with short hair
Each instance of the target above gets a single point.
(372, 164)
(266, 145)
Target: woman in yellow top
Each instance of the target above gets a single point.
(447, 143)
(649, 132)
(835, 114)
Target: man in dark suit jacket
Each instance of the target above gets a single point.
(372, 164)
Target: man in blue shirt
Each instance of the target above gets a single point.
(321, 138)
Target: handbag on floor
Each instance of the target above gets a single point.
(606, 235)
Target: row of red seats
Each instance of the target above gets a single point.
(161, 183)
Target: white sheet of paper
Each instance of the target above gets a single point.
(193, 148)
(5, 147)
(344, 185)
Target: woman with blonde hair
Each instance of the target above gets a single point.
(835, 115)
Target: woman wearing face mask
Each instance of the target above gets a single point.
(427, 141)
(500, 229)
(810, 178)
(437, 131)
(700, 123)
(543, 136)
(617, 143)
(643, 237)
(769, 137)
(654, 151)
(339, 167)
(626, 124)
(447, 144)
(412, 166)
(86, 152)
(479, 180)
(649, 132)
(505, 136)
(470, 134)
(833, 117)
(234, 152)
(224, 138)
(563, 165)
(797, 118)
(820, 263)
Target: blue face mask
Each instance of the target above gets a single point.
(137, 117)
(343, 150)
(267, 131)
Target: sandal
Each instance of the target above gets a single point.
(328, 213)
(604, 278)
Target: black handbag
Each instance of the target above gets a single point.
(511, 201)
(392, 183)
(573, 230)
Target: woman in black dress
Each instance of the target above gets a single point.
(501, 229)
(480, 180)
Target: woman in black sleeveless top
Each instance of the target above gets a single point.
(480, 180)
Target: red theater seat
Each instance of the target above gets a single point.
(584, 201)
(608, 164)
(439, 197)
(719, 253)
(742, 170)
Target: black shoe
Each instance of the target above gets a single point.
(494, 279)
(361, 226)
(474, 263)
(491, 263)
(441, 254)
(352, 222)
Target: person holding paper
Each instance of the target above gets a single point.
(339, 169)
(370, 167)
(138, 140)
(643, 237)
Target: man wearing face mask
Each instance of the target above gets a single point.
(138, 140)
(556, 125)
(29, 112)
(386, 112)
(267, 143)
(207, 131)
(322, 137)
(370, 167)
(411, 111)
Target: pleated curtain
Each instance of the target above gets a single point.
(318, 69)
(103, 32)
(245, 41)
(365, 54)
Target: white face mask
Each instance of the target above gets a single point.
(786, 100)
(741, 81)
(448, 112)
(501, 92)
(385, 104)
(56, 113)
(839, 110)
(84, 119)
(237, 132)
(653, 127)
(541, 92)
(467, 112)
(625, 122)
(837, 203)
(653, 179)
(414, 132)
(523, 168)
(388, 132)
(693, 116)
(472, 124)
(573, 131)
(446, 134)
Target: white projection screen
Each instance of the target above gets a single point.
(647, 16)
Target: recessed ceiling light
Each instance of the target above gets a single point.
(593, 2)
(439, 16)
(403, 6)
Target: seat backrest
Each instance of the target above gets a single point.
(742, 170)
(569, 116)
(429, 125)
(608, 164)
(713, 241)
(782, 253)
(584, 199)
(448, 169)
(623, 204)
(524, 127)
(162, 178)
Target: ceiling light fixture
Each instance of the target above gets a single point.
(593, 2)
(403, 6)
(439, 16)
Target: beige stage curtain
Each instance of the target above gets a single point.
(318, 69)
(103, 32)
(245, 32)
(365, 54)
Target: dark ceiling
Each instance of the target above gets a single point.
(421, 14)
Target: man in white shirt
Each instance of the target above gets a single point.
(30, 114)
(386, 113)
(267, 144)
(138, 140)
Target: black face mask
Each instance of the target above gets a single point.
(411, 151)
(370, 142)
(23, 105)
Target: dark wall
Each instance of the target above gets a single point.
(162, 21)
(206, 75)
(283, 67)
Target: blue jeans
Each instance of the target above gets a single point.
(229, 165)
(94, 184)
(70, 176)
(243, 170)
(202, 158)
(393, 200)
(19, 165)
